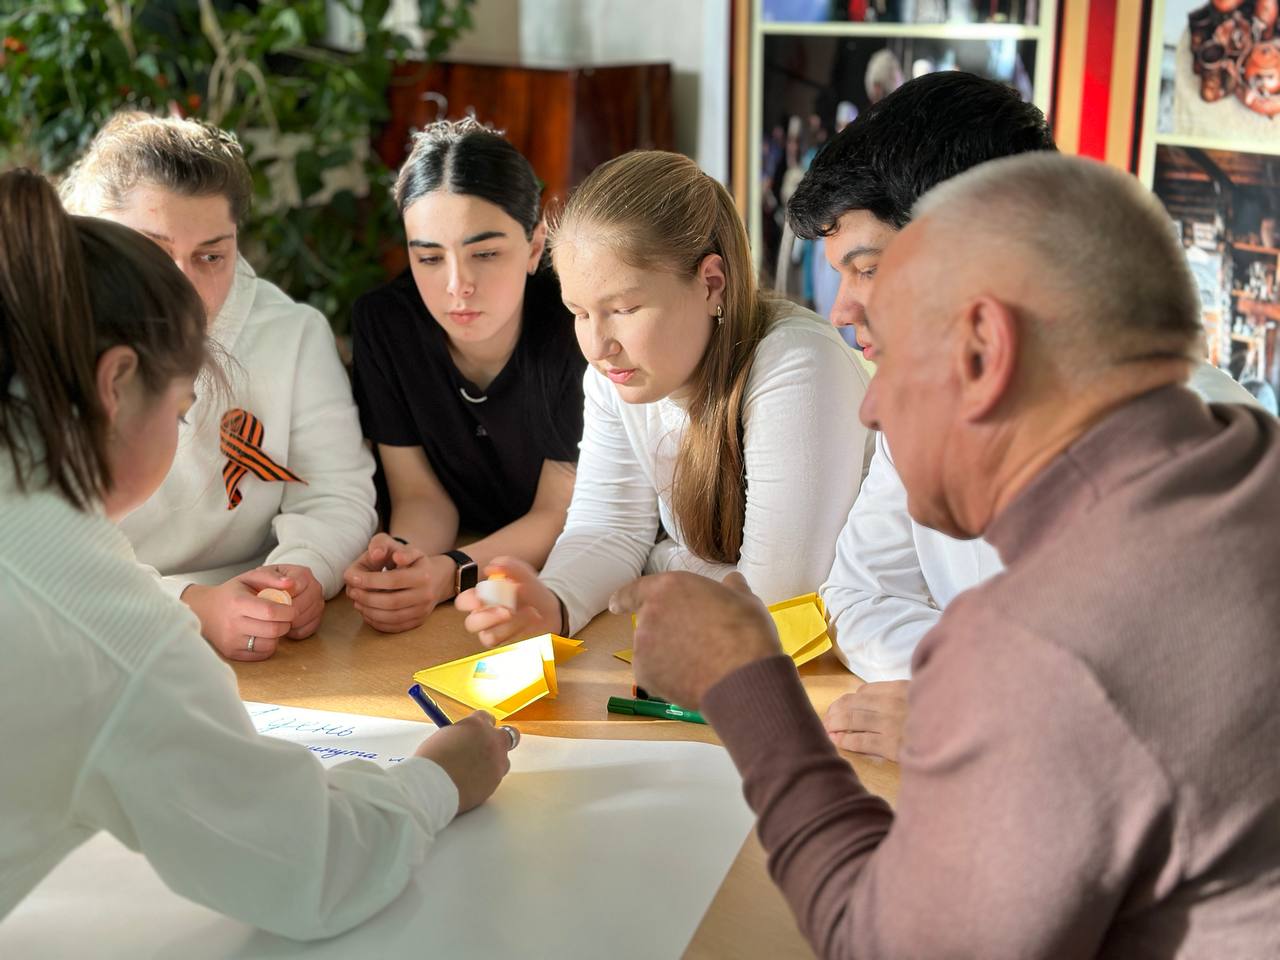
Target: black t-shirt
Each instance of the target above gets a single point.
(487, 455)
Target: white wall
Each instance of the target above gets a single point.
(495, 34)
(692, 35)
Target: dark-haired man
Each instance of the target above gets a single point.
(892, 577)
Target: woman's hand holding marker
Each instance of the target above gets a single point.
(533, 609)
(473, 752)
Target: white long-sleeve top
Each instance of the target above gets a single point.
(892, 577)
(804, 451)
(119, 717)
(282, 366)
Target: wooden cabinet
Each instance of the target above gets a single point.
(567, 119)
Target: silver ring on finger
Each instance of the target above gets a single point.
(249, 644)
(512, 734)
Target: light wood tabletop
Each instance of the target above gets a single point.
(349, 667)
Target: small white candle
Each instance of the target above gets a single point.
(498, 592)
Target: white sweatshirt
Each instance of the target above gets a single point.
(119, 717)
(892, 577)
(804, 451)
(284, 369)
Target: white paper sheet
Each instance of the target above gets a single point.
(590, 848)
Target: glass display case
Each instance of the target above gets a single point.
(816, 64)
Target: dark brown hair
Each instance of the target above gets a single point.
(71, 288)
(927, 131)
(188, 157)
(467, 158)
(659, 211)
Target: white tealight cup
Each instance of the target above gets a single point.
(498, 593)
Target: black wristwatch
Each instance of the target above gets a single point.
(464, 578)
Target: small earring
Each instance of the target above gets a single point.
(719, 315)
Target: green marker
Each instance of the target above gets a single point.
(653, 708)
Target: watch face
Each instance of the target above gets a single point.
(467, 576)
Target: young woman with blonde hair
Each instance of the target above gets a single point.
(272, 485)
(720, 425)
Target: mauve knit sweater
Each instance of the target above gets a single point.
(1091, 762)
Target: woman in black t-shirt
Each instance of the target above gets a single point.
(468, 378)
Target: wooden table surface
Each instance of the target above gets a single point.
(351, 668)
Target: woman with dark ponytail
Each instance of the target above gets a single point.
(129, 723)
(468, 379)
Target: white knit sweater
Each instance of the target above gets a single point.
(119, 717)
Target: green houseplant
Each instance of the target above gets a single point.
(267, 69)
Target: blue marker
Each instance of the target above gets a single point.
(429, 706)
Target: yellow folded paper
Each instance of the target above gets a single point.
(802, 628)
(504, 679)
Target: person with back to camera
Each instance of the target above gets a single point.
(130, 722)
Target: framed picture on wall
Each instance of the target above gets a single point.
(1211, 152)
(1219, 70)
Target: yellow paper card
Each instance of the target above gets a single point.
(505, 679)
(802, 628)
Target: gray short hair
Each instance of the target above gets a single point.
(1102, 243)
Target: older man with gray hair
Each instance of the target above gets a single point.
(1089, 759)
